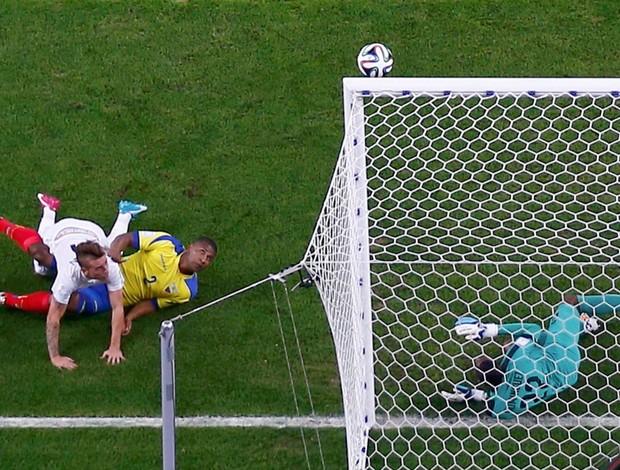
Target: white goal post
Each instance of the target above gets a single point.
(492, 197)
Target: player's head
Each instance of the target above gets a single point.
(198, 255)
(92, 259)
(488, 372)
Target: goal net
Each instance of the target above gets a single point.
(484, 197)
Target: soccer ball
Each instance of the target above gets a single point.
(375, 60)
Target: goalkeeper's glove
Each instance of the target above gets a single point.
(463, 393)
(474, 329)
(590, 324)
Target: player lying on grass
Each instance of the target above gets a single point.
(539, 363)
(161, 273)
(76, 250)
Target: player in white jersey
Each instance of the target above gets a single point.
(77, 250)
(63, 239)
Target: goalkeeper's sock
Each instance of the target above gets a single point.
(22, 236)
(37, 302)
(599, 305)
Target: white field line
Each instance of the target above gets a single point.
(189, 422)
(310, 422)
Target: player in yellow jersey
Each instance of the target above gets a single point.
(159, 274)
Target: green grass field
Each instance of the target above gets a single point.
(226, 119)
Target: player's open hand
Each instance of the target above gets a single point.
(463, 393)
(590, 324)
(473, 329)
(456, 396)
(113, 356)
(63, 362)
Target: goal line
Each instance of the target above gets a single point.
(274, 422)
(308, 422)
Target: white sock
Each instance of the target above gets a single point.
(120, 227)
(48, 218)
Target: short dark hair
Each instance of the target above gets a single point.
(487, 371)
(86, 251)
(208, 241)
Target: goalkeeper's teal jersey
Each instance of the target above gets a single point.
(542, 363)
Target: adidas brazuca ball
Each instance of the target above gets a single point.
(375, 60)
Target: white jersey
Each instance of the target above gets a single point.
(59, 237)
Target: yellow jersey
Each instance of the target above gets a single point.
(152, 272)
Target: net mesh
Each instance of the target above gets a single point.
(332, 261)
(487, 204)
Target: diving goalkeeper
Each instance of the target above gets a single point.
(539, 363)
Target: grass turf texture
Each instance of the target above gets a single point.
(198, 449)
(226, 119)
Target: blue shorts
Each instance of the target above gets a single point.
(94, 299)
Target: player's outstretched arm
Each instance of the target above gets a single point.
(114, 354)
(600, 305)
(520, 329)
(473, 329)
(120, 243)
(142, 308)
(52, 333)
